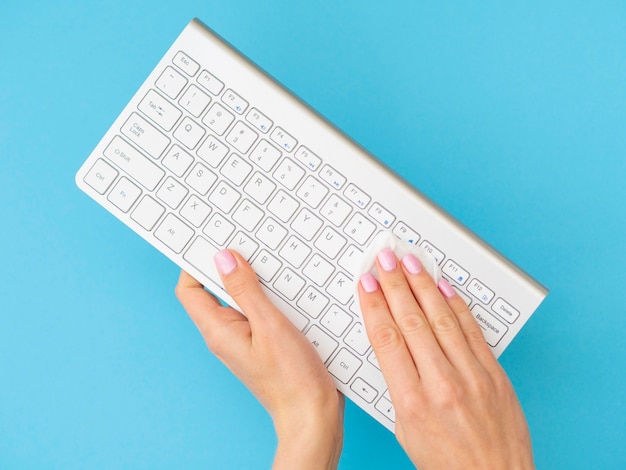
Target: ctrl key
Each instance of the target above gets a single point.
(344, 366)
(101, 176)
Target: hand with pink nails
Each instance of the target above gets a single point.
(455, 407)
(274, 360)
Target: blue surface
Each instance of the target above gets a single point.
(512, 117)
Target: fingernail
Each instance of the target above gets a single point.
(369, 283)
(445, 288)
(387, 260)
(225, 262)
(412, 264)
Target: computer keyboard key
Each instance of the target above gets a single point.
(308, 158)
(241, 137)
(493, 329)
(336, 210)
(359, 228)
(406, 233)
(289, 283)
(357, 339)
(234, 101)
(100, 176)
(336, 320)
(505, 310)
(218, 119)
(200, 255)
(172, 192)
(147, 213)
(124, 194)
(194, 100)
(318, 270)
(224, 197)
(456, 272)
(134, 163)
(189, 133)
(364, 390)
(259, 188)
(283, 206)
(259, 120)
(212, 151)
(341, 288)
(201, 179)
(294, 251)
(266, 265)
(159, 110)
(265, 155)
(185, 63)
(236, 169)
(288, 173)
(195, 211)
(177, 160)
(480, 291)
(174, 233)
(312, 191)
(248, 215)
(244, 245)
(357, 196)
(219, 229)
(171, 82)
(284, 140)
(332, 177)
(145, 135)
(386, 408)
(306, 224)
(330, 242)
(323, 343)
(210, 82)
(312, 302)
(344, 366)
(271, 233)
(381, 215)
(433, 251)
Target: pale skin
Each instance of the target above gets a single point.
(455, 406)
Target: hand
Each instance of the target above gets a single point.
(455, 407)
(274, 360)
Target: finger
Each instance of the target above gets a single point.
(223, 329)
(408, 315)
(472, 332)
(243, 285)
(442, 320)
(392, 353)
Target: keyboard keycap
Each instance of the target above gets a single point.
(266, 265)
(456, 272)
(101, 176)
(336, 210)
(336, 320)
(332, 177)
(265, 155)
(284, 140)
(505, 310)
(493, 329)
(244, 245)
(147, 213)
(200, 255)
(312, 302)
(177, 160)
(145, 135)
(174, 233)
(248, 215)
(344, 366)
(357, 339)
(381, 215)
(357, 196)
(219, 229)
(288, 174)
(241, 137)
(236, 169)
(171, 82)
(433, 251)
(341, 288)
(185, 63)
(359, 228)
(201, 178)
(480, 291)
(323, 343)
(289, 284)
(259, 188)
(124, 194)
(172, 192)
(330, 242)
(312, 192)
(194, 100)
(386, 409)
(406, 233)
(212, 151)
(271, 233)
(224, 197)
(364, 390)
(210, 82)
(306, 224)
(259, 120)
(189, 133)
(195, 211)
(308, 158)
(133, 163)
(318, 270)
(159, 110)
(283, 206)
(294, 251)
(218, 119)
(234, 101)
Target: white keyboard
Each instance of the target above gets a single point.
(211, 153)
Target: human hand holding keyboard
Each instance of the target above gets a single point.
(454, 405)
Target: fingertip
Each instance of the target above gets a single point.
(369, 283)
(225, 262)
(445, 288)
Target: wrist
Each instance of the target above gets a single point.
(309, 440)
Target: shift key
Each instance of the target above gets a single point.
(130, 160)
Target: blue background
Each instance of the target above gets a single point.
(512, 117)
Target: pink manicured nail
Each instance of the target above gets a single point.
(446, 289)
(387, 260)
(412, 264)
(369, 283)
(225, 262)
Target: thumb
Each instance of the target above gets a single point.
(242, 284)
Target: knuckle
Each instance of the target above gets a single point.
(475, 335)
(412, 323)
(449, 394)
(238, 285)
(385, 338)
(444, 323)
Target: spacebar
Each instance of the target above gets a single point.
(200, 256)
